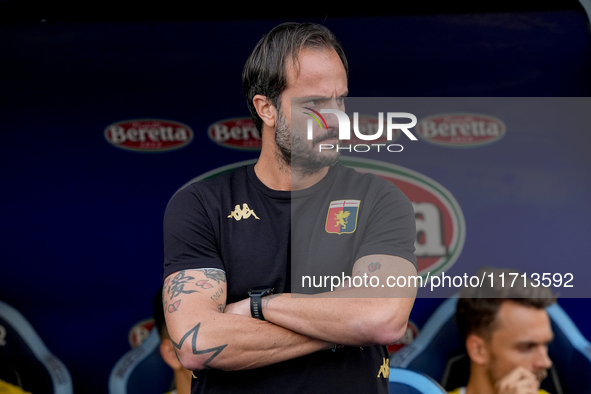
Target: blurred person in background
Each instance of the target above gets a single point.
(506, 330)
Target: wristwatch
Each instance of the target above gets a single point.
(256, 295)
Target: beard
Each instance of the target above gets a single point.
(495, 375)
(294, 151)
(540, 376)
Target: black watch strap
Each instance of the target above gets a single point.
(256, 301)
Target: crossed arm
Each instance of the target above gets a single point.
(355, 316)
(204, 336)
(209, 334)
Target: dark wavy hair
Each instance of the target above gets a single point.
(265, 72)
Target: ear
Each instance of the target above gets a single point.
(477, 349)
(169, 355)
(265, 109)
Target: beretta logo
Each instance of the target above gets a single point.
(139, 332)
(149, 135)
(235, 133)
(441, 229)
(461, 130)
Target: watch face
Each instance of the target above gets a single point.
(260, 290)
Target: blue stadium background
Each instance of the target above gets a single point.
(80, 227)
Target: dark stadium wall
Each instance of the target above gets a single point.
(81, 215)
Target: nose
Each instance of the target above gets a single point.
(543, 360)
(332, 120)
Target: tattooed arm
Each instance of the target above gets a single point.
(356, 316)
(205, 337)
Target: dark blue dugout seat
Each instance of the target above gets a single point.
(404, 381)
(142, 370)
(439, 353)
(25, 361)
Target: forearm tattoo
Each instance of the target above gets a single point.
(268, 298)
(204, 284)
(172, 307)
(195, 330)
(217, 295)
(179, 284)
(215, 274)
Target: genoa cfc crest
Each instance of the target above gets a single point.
(342, 216)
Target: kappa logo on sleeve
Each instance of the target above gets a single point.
(342, 216)
(243, 213)
(384, 368)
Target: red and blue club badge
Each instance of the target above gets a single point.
(342, 216)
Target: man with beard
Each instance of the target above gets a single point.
(507, 331)
(238, 246)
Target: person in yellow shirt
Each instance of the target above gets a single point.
(506, 330)
(7, 388)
